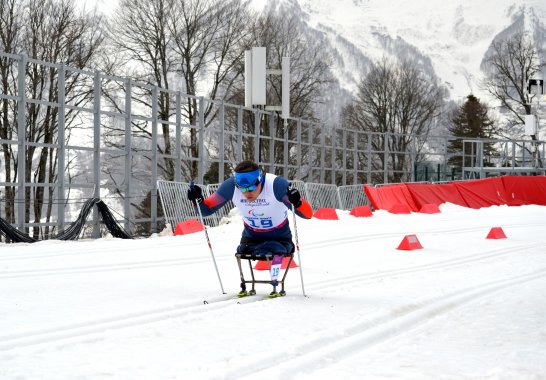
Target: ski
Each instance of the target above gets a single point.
(244, 299)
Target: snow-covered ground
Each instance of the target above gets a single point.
(463, 307)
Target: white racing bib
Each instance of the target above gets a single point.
(265, 213)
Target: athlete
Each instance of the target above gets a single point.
(263, 200)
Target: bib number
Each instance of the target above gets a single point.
(261, 223)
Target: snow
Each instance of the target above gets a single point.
(455, 35)
(463, 307)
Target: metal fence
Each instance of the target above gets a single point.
(115, 139)
(177, 208)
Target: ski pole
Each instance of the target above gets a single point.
(192, 184)
(298, 248)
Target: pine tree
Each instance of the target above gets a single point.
(469, 121)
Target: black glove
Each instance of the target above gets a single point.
(294, 196)
(195, 194)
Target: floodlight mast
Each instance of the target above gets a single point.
(255, 82)
(536, 87)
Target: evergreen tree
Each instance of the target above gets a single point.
(470, 121)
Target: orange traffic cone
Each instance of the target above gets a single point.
(361, 211)
(409, 243)
(326, 213)
(188, 227)
(496, 233)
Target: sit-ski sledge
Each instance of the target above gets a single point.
(252, 256)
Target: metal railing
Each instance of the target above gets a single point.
(177, 208)
(509, 157)
(110, 138)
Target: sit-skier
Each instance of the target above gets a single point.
(263, 200)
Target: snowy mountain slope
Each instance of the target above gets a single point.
(449, 39)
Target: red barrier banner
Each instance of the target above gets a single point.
(483, 192)
(523, 190)
(426, 193)
(506, 190)
(384, 198)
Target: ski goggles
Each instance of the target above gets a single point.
(248, 181)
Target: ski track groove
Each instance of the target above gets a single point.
(84, 328)
(196, 307)
(49, 254)
(450, 263)
(186, 260)
(106, 267)
(336, 346)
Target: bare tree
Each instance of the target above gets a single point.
(52, 31)
(509, 64)
(192, 46)
(208, 41)
(142, 49)
(10, 35)
(397, 104)
(285, 35)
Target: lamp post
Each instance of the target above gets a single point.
(535, 87)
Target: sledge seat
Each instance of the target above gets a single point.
(260, 256)
(267, 257)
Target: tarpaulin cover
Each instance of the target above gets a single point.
(509, 190)
(525, 190)
(384, 198)
(426, 193)
(483, 192)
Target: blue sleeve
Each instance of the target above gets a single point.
(219, 198)
(280, 187)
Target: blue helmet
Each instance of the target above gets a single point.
(248, 181)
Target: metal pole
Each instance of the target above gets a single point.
(96, 150)
(285, 150)
(369, 159)
(299, 149)
(200, 214)
(322, 154)
(386, 159)
(333, 156)
(344, 150)
(239, 134)
(221, 148)
(153, 200)
(128, 153)
(21, 146)
(61, 149)
(272, 133)
(201, 131)
(257, 134)
(310, 152)
(298, 248)
(177, 174)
